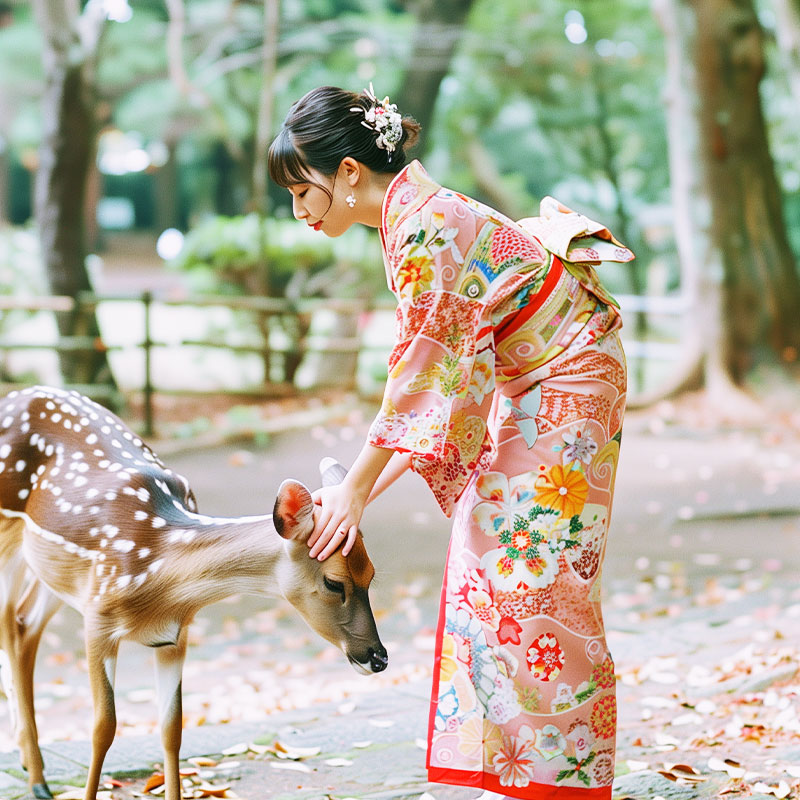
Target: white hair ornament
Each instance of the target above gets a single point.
(383, 118)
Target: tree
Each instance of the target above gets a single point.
(70, 40)
(439, 27)
(760, 288)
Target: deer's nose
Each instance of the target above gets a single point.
(378, 659)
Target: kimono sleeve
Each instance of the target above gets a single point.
(441, 370)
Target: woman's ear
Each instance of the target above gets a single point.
(352, 170)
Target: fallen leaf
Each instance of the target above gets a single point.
(155, 780)
(213, 790)
(202, 761)
(382, 723)
(236, 749)
(339, 762)
(294, 765)
(288, 751)
(733, 768)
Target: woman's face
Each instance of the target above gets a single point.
(312, 205)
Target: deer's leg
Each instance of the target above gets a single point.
(169, 669)
(33, 613)
(23, 616)
(101, 654)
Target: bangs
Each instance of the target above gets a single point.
(286, 165)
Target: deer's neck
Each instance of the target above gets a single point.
(220, 557)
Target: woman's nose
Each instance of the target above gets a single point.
(298, 210)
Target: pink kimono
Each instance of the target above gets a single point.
(507, 385)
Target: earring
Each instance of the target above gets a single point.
(350, 199)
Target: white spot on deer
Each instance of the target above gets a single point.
(105, 429)
(81, 481)
(155, 566)
(110, 495)
(140, 515)
(110, 530)
(65, 506)
(140, 579)
(116, 443)
(116, 467)
(56, 418)
(91, 438)
(94, 509)
(77, 509)
(49, 450)
(68, 424)
(104, 464)
(2, 465)
(98, 453)
(25, 427)
(94, 531)
(98, 570)
(23, 493)
(84, 421)
(56, 490)
(123, 581)
(158, 522)
(92, 493)
(7, 422)
(124, 545)
(144, 552)
(103, 542)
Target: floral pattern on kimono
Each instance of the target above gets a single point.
(507, 385)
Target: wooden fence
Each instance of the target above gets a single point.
(300, 313)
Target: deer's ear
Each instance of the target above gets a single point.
(293, 515)
(332, 471)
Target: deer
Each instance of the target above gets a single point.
(91, 517)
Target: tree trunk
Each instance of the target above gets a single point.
(760, 291)
(65, 156)
(440, 25)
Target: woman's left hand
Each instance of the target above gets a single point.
(337, 517)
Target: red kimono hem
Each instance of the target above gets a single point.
(533, 791)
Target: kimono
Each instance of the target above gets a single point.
(507, 386)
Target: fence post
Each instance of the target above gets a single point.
(147, 346)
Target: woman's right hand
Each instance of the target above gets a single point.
(337, 517)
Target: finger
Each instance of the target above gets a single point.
(316, 496)
(323, 538)
(351, 540)
(336, 539)
(322, 523)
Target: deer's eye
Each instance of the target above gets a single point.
(334, 586)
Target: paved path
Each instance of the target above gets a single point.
(702, 611)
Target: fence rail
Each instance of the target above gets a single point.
(266, 309)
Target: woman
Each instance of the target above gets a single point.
(506, 392)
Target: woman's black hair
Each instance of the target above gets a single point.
(321, 129)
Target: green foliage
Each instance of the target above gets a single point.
(256, 255)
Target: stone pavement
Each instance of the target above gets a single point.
(703, 617)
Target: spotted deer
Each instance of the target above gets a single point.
(90, 516)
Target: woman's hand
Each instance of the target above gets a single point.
(340, 507)
(337, 517)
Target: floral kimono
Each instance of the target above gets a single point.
(507, 386)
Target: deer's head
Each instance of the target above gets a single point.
(331, 595)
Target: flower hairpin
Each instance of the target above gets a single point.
(383, 118)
